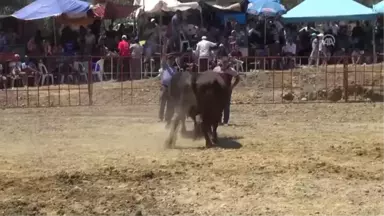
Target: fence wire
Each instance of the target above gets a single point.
(116, 81)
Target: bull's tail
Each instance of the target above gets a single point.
(194, 82)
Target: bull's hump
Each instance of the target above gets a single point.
(210, 77)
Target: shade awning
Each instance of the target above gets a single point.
(155, 6)
(379, 7)
(329, 10)
(40, 9)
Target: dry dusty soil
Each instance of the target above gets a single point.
(289, 159)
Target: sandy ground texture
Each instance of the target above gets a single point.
(290, 159)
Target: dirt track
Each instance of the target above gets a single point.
(276, 159)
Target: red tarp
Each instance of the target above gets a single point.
(112, 10)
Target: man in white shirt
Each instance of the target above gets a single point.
(324, 54)
(289, 49)
(335, 28)
(203, 53)
(136, 55)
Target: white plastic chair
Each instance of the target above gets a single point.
(44, 74)
(99, 70)
(82, 69)
(183, 41)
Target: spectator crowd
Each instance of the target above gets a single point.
(65, 57)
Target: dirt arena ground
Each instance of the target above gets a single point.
(290, 159)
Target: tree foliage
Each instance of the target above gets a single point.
(10, 6)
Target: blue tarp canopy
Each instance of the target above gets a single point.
(379, 7)
(40, 9)
(265, 7)
(329, 10)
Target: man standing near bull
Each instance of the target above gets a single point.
(228, 73)
(167, 71)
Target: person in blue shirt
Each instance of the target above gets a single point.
(167, 71)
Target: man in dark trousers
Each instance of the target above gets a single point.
(228, 73)
(167, 71)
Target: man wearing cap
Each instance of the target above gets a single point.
(125, 53)
(221, 52)
(203, 53)
(228, 73)
(166, 75)
(154, 27)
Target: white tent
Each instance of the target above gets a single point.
(155, 6)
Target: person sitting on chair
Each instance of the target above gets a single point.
(17, 72)
(289, 50)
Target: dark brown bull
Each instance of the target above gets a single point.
(212, 95)
(202, 97)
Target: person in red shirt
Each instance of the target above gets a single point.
(124, 53)
(123, 46)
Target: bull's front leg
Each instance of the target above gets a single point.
(207, 130)
(197, 124)
(214, 132)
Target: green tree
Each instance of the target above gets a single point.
(10, 6)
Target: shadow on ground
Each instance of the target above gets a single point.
(230, 142)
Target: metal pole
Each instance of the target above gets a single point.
(54, 31)
(373, 38)
(160, 32)
(374, 42)
(265, 31)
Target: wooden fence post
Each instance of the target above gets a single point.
(345, 78)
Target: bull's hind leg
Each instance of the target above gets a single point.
(171, 140)
(183, 127)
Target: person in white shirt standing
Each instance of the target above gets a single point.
(324, 54)
(203, 53)
(136, 55)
